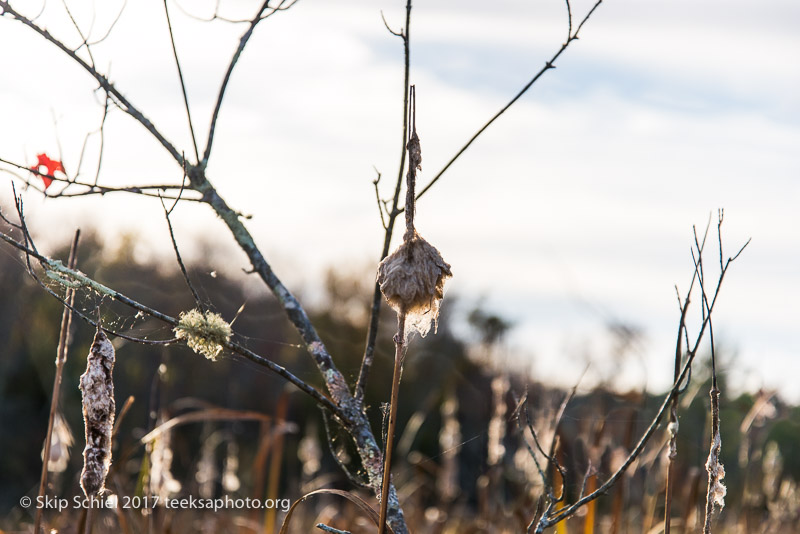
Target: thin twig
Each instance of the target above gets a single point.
(329, 438)
(94, 189)
(713, 464)
(185, 274)
(547, 519)
(375, 182)
(80, 32)
(61, 359)
(374, 316)
(399, 343)
(104, 82)
(548, 65)
(110, 26)
(183, 84)
(673, 413)
(79, 279)
(215, 115)
(283, 6)
(569, 18)
(396, 34)
(517, 414)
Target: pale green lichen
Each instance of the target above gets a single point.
(205, 334)
(75, 279)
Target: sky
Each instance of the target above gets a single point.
(573, 211)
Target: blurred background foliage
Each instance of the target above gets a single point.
(461, 463)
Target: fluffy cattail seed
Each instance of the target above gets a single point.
(97, 389)
(412, 281)
(716, 473)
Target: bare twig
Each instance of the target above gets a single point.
(80, 32)
(282, 6)
(104, 82)
(235, 59)
(374, 317)
(549, 519)
(183, 84)
(522, 407)
(76, 279)
(153, 190)
(326, 420)
(399, 343)
(63, 345)
(101, 131)
(673, 413)
(375, 182)
(569, 19)
(185, 274)
(110, 26)
(548, 65)
(396, 34)
(715, 493)
(403, 299)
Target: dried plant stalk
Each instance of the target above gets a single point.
(97, 388)
(715, 495)
(162, 482)
(412, 281)
(59, 436)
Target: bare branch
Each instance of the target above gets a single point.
(282, 6)
(80, 32)
(374, 317)
(242, 43)
(76, 279)
(352, 477)
(569, 19)
(61, 359)
(183, 84)
(111, 26)
(185, 274)
(104, 82)
(548, 65)
(375, 182)
(94, 189)
(548, 520)
(397, 34)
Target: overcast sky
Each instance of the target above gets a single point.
(575, 209)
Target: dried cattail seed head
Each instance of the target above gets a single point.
(97, 390)
(716, 473)
(412, 281)
(60, 444)
(414, 152)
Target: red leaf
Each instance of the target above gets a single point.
(51, 166)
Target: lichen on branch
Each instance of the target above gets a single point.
(205, 334)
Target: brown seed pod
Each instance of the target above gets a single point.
(412, 281)
(97, 389)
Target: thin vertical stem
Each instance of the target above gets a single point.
(61, 358)
(275, 463)
(183, 84)
(399, 345)
(372, 334)
(716, 445)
